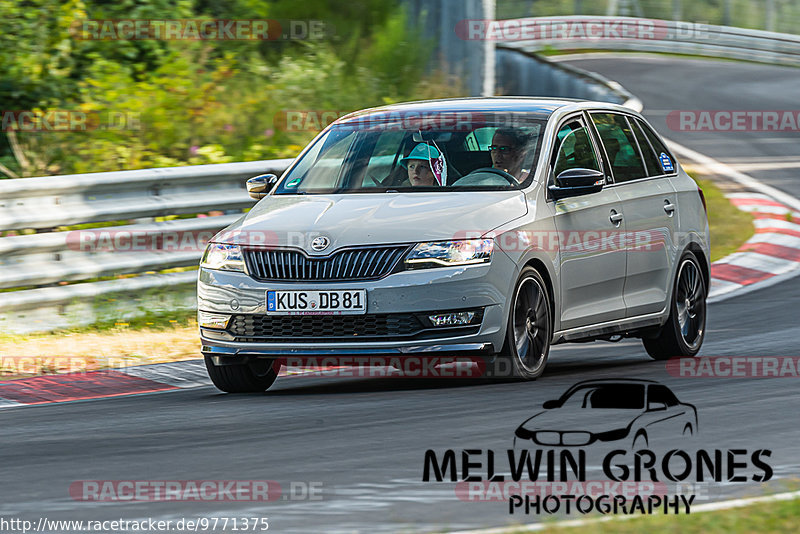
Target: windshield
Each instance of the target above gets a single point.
(452, 151)
(614, 396)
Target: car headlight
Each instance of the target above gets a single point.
(223, 257)
(450, 253)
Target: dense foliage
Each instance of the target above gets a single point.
(175, 102)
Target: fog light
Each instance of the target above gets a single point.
(212, 320)
(452, 319)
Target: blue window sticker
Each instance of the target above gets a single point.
(666, 163)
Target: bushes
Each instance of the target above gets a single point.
(169, 103)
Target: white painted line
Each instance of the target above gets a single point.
(777, 210)
(6, 403)
(774, 238)
(707, 507)
(765, 166)
(760, 262)
(186, 374)
(720, 287)
(718, 167)
(776, 223)
(759, 285)
(749, 195)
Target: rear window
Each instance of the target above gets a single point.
(620, 146)
(649, 154)
(665, 158)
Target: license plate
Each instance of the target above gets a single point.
(328, 302)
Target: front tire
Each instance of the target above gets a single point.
(683, 333)
(242, 378)
(530, 327)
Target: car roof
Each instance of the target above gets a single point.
(603, 381)
(538, 107)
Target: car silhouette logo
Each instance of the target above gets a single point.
(636, 411)
(320, 243)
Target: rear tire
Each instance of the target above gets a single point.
(683, 333)
(242, 378)
(530, 327)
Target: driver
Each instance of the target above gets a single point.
(418, 163)
(507, 151)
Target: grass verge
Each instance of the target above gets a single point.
(152, 338)
(729, 226)
(773, 517)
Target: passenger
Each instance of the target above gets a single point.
(418, 163)
(507, 151)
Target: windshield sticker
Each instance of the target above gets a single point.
(666, 163)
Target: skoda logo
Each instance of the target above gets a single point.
(320, 243)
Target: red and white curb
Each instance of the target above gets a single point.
(773, 253)
(134, 380)
(774, 249)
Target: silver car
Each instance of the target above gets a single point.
(481, 228)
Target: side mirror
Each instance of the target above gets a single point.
(260, 186)
(549, 405)
(656, 406)
(577, 182)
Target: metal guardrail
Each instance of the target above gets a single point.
(31, 262)
(526, 74)
(649, 35)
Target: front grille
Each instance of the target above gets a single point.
(351, 264)
(316, 328)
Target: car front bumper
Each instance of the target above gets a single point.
(483, 287)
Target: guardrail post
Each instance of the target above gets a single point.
(770, 16)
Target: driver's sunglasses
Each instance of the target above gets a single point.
(501, 148)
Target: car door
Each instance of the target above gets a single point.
(666, 417)
(649, 204)
(592, 267)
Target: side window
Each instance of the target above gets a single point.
(650, 159)
(660, 393)
(575, 150)
(618, 140)
(665, 160)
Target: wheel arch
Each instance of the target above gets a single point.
(540, 267)
(705, 268)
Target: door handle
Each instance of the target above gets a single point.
(615, 218)
(669, 207)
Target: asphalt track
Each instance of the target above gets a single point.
(364, 439)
